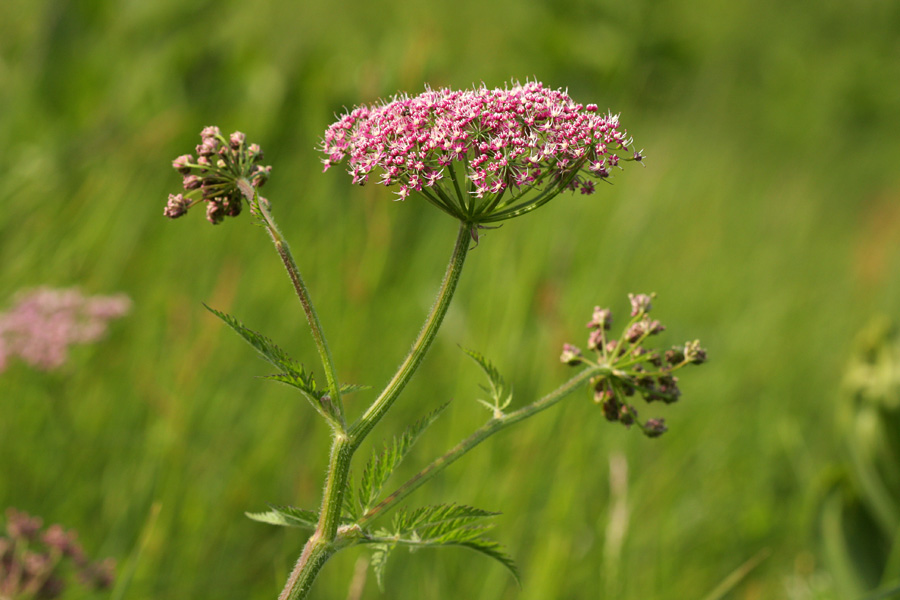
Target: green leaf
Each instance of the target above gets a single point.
(381, 465)
(445, 525)
(380, 554)
(302, 381)
(287, 516)
(407, 521)
(499, 390)
(351, 510)
(349, 388)
(292, 373)
(494, 550)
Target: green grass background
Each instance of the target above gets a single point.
(767, 220)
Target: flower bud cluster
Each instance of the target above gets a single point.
(629, 368)
(39, 564)
(225, 172)
(481, 155)
(44, 322)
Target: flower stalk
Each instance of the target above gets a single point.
(382, 404)
(315, 326)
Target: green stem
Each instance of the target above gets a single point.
(321, 544)
(324, 541)
(481, 434)
(360, 429)
(312, 317)
(315, 554)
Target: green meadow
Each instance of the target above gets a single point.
(767, 220)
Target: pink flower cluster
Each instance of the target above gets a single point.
(43, 323)
(507, 142)
(224, 174)
(40, 564)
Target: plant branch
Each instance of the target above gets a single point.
(284, 252)
(481, 434)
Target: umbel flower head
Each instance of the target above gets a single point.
(40, 563)
(628, 368)
(480, 155)
(225, 172)
(44, 323)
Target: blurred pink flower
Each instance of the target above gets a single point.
(43, 323)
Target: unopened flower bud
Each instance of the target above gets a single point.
(636, 331)
(210, 132)
(214, 212)
(207, 147)
(602, 318)
(192, 182)
(176, 206)
(655, 327)
(667, 389)
(640, 303)
(611, 408)
(596, 339)
(181, 163)
(693, 353)
(675, 355)
(571, 355)
(602, 393)
(627, 414)
(237, 140)
(655, 427)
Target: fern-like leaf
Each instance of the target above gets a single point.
(444, 525)
(292, 373)
(499, 390)
(287, 516)
(349, 388)
(492, 549)
(380, 554)
(407, 521)
(382, 464)
(302, 381)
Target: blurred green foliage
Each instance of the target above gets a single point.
(860, 515)
(767, 220)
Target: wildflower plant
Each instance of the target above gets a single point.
(481, 156)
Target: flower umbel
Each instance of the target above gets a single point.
(628, 367)
(480, 155)
(44, 322)
(40, 564)
(225, 172)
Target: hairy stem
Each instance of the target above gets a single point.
(481, 434)
(404, 373)
(284, 252)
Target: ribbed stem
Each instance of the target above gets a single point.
(284, 252)
(360, 429)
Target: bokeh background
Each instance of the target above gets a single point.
(767, 219)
